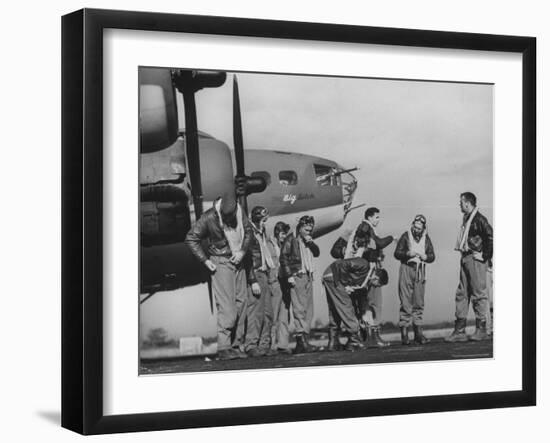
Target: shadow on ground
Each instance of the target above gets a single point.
(54, 417)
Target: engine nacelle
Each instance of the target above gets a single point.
(158, 118)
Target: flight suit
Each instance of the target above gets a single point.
(230, 292)
(301, 293)
(342, 311)
(371, 302)
(412, 280)
(229, 281)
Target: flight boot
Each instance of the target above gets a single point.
(333, 340)
(309, 346)
(271, 352)
(226, 354)
(354, 343)
(405, 335)
(300, 344)
(363, 331)
(459, 333)
(419, 337)
(374, 340)
(284, 351)
(255, 352)
(238, 353)
(480, 332)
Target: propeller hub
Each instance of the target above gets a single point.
(245, 185)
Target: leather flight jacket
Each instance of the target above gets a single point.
(366, 233)
(291, 260)
(338, 249)
(255, 252)
(350, 272)
(480, 237)
(403, 247)
(208, 229)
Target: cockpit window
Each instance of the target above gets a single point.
(288, 178)
(263, 174)
(325, 175)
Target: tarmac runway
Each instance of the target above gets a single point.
(436, 350)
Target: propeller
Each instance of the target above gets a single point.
(240, 178)
(244, 185)
(188, 83)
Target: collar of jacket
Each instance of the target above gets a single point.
(258, 230)
(370, 224)
(217, 207)
(465, 217)
(418, 237)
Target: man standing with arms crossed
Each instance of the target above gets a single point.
(475, 244)
(227, 230)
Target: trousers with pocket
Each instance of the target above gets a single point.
(472, 288)
(301, 295)
(259, 316)
(230, 293)
(411, 296)
(342, 313)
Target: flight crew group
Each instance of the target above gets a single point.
(260, 282)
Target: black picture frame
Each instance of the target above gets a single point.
(82, 218)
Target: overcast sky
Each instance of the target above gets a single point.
(418, 145)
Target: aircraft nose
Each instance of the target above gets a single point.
(349, 186)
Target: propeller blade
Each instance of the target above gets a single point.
(237, 129)
(239, 146)
(186, 87)
(188, 82)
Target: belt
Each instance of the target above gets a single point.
(302, 273)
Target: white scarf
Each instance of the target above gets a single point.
(370, 272)
(352, 250)
(418, 248)
(267, 261)
(463, 233)
(276, 246)
(235, 236)
(306, 256)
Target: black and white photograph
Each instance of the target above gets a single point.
(290, 221)
(275, 222)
